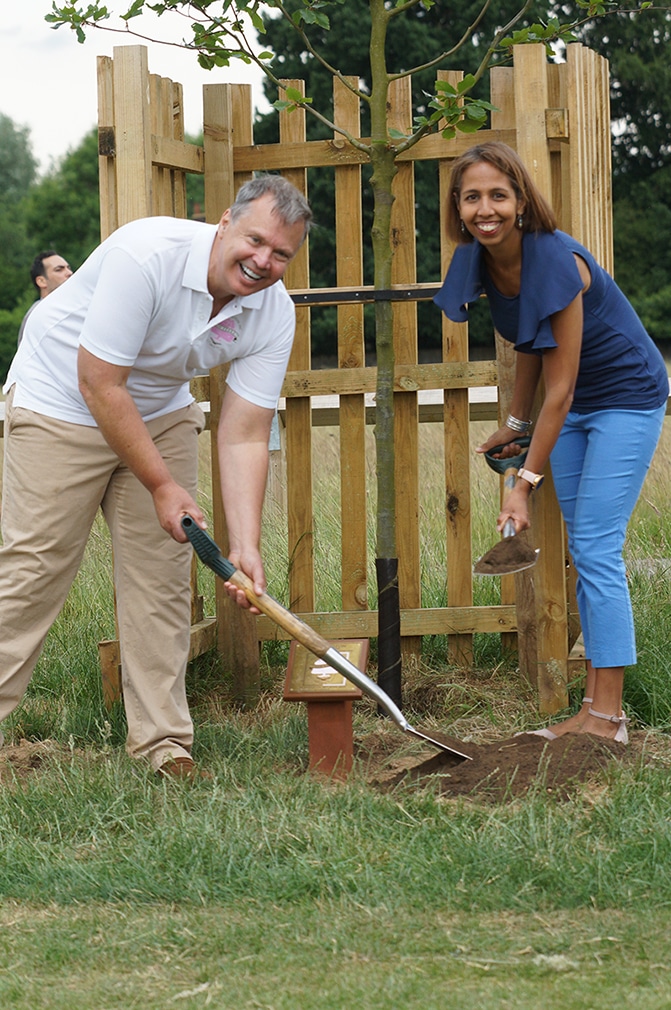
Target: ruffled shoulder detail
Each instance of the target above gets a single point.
(550, 282)
(463, 282)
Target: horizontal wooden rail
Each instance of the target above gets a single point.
(166, 152)
(328, 415)
(407, 378)
(429, 621)
(337, 152)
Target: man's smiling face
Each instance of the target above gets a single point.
(252, 250)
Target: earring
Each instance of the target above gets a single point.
(520, 221)
(462, 227)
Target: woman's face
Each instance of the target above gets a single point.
(489, 206)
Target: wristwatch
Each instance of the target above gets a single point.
(535, 479)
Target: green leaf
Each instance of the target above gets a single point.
(466, 83)
(398, 134)
(134, 11)
(468, 126)
(293, 94)
(257, 21)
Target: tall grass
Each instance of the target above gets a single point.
(65, 701)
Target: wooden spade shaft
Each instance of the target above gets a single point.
(209, 554)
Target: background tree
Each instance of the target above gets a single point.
(639, 53)
(17, 173)
(63, 210)
(18, 168)
(60, 211)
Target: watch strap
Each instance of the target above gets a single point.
(535, 479)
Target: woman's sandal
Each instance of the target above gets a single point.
(622, 735)
(546, 733)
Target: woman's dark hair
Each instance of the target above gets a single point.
(538, 214)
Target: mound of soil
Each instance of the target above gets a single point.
(508, 768)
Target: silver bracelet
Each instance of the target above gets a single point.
(515, 424)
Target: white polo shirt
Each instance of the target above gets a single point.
(141, 301)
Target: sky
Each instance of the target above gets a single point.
(48, 79)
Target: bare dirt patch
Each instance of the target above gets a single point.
(18, 761)
(504, 769)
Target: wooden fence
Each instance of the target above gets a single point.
(557, 118)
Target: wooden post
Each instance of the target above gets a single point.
(531, 101)
(406, 410)
(299, 409)
(227, 110)
(351, 354)
(457, 449)
(132, 132)
(109, 220)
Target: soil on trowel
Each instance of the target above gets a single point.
(508, 556)
(509, 768)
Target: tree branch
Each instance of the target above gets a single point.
(449, 52)
(320, 59)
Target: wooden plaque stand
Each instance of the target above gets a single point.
(329, 698)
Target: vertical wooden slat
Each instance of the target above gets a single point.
(243, 126)
(218, 149)
(298, 411)
(109, 220)
(236, 629)
(531, 101)
(175, 100)
(606, 167)
(562, 203)
(519, 588)
(351, 354)
(160, 177)
(132, 132)
(554, 78)
(459, 554)
(406, 409)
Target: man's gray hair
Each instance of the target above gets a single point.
(290, 203)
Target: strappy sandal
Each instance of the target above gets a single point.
(546, 733)
(622, 735)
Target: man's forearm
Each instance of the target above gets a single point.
(244, 472)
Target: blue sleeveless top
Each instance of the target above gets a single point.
(620, 366)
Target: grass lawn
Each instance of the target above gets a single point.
(325, 956)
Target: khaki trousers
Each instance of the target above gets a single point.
(56, 476)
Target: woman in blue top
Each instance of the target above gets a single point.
(606, 389)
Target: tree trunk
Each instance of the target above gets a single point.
(384, 170)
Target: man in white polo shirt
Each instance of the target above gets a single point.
(99, 414)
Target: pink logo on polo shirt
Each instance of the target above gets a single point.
(224, 332)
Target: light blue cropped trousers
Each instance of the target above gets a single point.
(599, 464)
